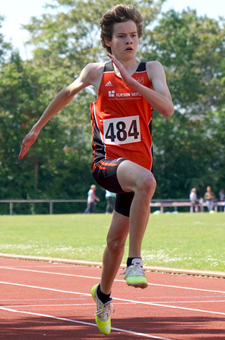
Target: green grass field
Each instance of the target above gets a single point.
(191, 241)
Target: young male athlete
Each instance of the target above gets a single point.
(128, 90)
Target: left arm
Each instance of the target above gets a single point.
(160, 97)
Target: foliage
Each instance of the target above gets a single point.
(4, 46)
(188, 148)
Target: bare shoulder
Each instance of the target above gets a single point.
(155, 69)
(92, 73)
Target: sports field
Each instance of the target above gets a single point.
(184, 240)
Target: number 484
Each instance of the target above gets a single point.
(118, 132)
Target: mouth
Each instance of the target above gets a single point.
(129, 49)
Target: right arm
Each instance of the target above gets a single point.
(87, 77)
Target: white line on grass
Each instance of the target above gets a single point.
(116, 299)
(85, 323)
(97, 278)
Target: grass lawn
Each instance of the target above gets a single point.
(184, 240)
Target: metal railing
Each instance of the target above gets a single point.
(41, 201)
(161, 204)
(183, 203)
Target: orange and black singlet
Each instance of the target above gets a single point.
(121, 120)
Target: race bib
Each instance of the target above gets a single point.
(122, 130)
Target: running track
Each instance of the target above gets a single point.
(41, 300)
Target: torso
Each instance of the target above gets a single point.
(121, 118)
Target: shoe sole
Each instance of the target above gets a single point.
(138, 285)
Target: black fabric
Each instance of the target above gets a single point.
(123, 203)
(109, 68)
(103, 297)
(130, 259)
(105, 176)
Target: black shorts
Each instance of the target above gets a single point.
(105, 175)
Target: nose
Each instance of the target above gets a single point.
(128, 40)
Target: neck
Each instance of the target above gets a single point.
(130, 65)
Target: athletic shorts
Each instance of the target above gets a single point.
(105, 175)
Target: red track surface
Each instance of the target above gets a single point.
(53, 301)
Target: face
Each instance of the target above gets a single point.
(124, 41)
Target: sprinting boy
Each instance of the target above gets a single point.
(128, 92)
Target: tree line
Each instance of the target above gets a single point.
(188, 147)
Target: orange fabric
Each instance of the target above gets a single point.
(121, 120)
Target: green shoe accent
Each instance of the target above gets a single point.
(135, 276)
(102, 318)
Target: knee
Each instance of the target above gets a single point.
(116, 246)
(147, 184)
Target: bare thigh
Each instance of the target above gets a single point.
(132, 176)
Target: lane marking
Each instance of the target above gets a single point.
(64, 305)
(116, 299)
(44, 288)
(116, 280)
(85, 323)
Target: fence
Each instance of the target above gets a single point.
(161, 204)
(50, 202)
(183, 203)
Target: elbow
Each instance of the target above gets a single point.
(168, 111)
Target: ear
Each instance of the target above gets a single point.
(107, 42)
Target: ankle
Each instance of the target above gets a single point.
(103, 297)
(134, 260)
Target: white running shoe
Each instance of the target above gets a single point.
(134, 274)
(103, 312)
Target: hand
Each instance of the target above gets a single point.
(29, 139)
(123, 72)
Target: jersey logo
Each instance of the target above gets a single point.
(140, 80)
(111, 93)
(109, 83)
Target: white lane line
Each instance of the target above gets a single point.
(88, 304)
(85, 323)
(117, 299)
(172, 307)
(44, 288)
(97, 278)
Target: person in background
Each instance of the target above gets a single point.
(209, 197)
(110, 198)
(221, 198)
(195, 203)
(91, 200)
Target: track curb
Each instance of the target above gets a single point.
(204, 273)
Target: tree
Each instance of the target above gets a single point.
(4, 46)
(192, 49)
(188, 147)
(65, 41)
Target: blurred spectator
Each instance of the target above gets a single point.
(195, 203)
(221, 198)
(110, 198)
(91, 200)
(209, 197)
